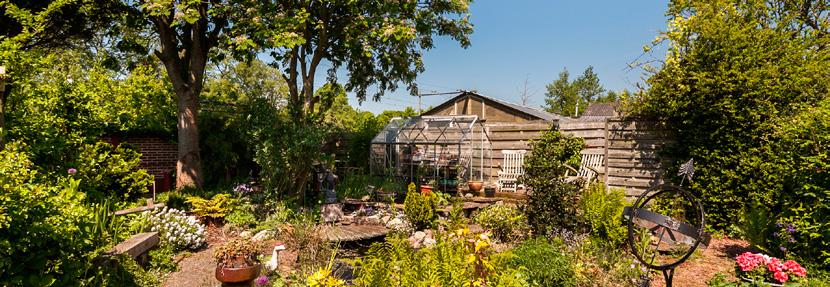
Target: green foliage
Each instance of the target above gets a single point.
(46, 233)
(107, 171)
(242, 216)
(456, 259)
(420, 209)
(552, 202)
(507, 223)
(563, 96)
(602, 212)
(544, 262)
(215, 208)
(743, 89)
(162, 259)
(173, 199)
(236, 253)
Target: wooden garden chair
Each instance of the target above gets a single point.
(588, 168)
(511, 169)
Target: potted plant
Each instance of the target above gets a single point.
(237, 262)
(475, 186)
(490, 191)
(428, 187)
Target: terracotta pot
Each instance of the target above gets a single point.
(242, 276)
(475, 186)
(426, 189)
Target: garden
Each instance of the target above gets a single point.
(276, 181)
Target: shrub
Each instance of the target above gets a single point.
(420, 209)
(552, 201)
(456, 259)
(602, 212)
(543, 262)
(173, 199)
(215, 208)
(176, 228)
(105, 171)
(506, 223)
(46, 233)
(241, 217)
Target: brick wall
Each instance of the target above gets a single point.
(158, 157)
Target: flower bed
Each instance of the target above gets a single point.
(761, 267)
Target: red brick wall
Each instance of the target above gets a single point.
(158, 157)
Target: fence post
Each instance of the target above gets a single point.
(605, 158)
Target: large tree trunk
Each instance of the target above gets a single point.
(189, 164)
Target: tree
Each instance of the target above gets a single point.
(736, 76)
(378, 44)
(567, 97)
(189, 33)
(30, 25)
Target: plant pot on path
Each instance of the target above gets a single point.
(426, 189)
(475, 186)
(490, 191)
(242, 276)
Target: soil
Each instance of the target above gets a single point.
(705, 263)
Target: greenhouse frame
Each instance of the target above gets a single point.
(445, 149)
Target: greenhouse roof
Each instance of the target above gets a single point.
(427, 130)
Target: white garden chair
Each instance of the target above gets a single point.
(588, 168)
(511, 169)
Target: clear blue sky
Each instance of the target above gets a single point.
(514, 40)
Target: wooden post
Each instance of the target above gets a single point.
(2, 105)
(607, 145)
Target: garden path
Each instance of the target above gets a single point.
(719, 257)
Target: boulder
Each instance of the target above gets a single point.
(374, 219)
(347, 220)
(245, 234)
(263, 235)
(331, 212)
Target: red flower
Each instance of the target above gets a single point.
(749, 261)
(795, 268)
(781, 276)
(774, 265)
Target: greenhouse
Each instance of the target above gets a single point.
(441, 150)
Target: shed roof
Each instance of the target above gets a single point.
(532, 112)
(601, 110)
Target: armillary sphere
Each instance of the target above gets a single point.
(665, 226)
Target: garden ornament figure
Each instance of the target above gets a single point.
(680, 232)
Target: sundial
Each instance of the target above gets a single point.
(666, 225)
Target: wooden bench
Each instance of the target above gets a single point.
(137, 244)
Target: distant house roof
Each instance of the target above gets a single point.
(532, 112)
(601, 110)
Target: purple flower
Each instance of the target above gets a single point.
(775, 234)
(72, 171)
(792, 239)
(790, 228)
(261, 280)
(783, 249)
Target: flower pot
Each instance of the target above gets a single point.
(745, 279)
(242, 276)
(426, 189)
(475, 186)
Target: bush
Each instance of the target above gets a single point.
(215, 208)
(105, 171)
(175, 228)
(602, 212)
(46, 235)
(420, 209)
(242, 216)
(456, 259)
(552, 201)
(506, 223)
(544, 263)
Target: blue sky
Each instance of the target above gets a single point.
(534, 40)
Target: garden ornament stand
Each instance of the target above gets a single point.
(677, 235)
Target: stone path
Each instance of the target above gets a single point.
(197, 270)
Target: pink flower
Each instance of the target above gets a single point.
(795, 268)
(749, 261)
(781, 276)
(262, 280)
(72, 171)
(774, 265)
